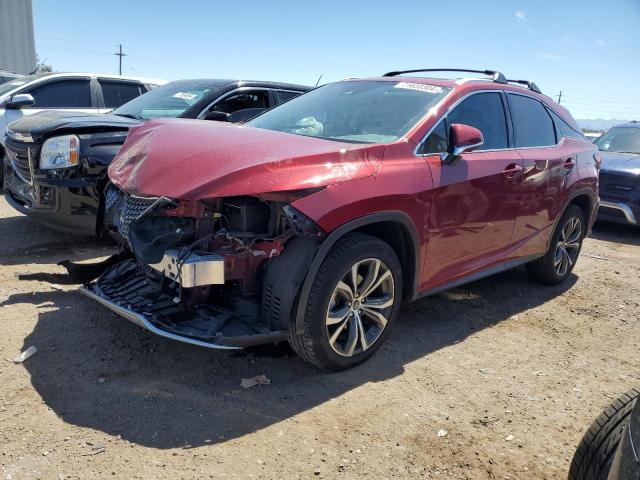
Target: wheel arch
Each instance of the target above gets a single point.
(393, 227)
(584, 199)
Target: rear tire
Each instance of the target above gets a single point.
(594, 455)
(564, 249)
(353, 301)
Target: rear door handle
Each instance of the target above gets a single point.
(569, 163)
(512, 170)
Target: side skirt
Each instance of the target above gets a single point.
(487, 272)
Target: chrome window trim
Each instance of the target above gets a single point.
(240, 89)
(447, 112)
(444, 115)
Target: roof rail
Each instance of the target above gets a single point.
(528, 83)
(494, 74)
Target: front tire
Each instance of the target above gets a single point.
(564, 249)
(353, 301)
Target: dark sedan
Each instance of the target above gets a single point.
(56, 162)
(620, 174)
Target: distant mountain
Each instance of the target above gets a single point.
(599, 123)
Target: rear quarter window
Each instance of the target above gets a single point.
(532, 123)
(119, 93)
(284, 95)
(564, 128)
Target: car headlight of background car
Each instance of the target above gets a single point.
(60, 152)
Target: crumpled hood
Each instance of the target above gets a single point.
(621, 162)
(195, 159)
(44, 123)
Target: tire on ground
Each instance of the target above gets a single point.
(542, 269)
(313, 345)
(594, 455)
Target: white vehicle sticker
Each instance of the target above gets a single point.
(421, 87)
(185, 95)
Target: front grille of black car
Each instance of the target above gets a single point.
(124, 209)
(17, 156)
(618, 182)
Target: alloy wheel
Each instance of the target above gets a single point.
(360, 306)
(568, 246)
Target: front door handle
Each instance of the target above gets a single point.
(569, 163)
(512, 170)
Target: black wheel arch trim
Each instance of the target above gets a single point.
(575, 194)
(341, 231)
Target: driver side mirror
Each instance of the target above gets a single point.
(462, 139)
(20, 100)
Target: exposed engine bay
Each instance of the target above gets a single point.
(206, 272)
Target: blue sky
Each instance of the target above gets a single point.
(588, 49)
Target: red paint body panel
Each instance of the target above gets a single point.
(473, 211)
(194, 160)
(485, 209)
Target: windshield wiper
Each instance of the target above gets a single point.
(129, 115)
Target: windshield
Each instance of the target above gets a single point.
(170, 100)
(354, 111)
(621, 140)
(18, 82)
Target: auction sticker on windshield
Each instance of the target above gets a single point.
(185, 95)
(419, 86)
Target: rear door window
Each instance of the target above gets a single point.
(62, 94)
(118, 93)
(533, 126)
(243, 100)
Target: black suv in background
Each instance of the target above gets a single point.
(620, 174)
(56, 162)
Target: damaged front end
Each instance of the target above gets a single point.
(220, 273)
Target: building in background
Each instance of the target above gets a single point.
(17, 43)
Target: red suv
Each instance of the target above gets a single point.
(313, 221)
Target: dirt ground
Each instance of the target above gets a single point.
(514, 373)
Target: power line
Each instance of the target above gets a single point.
(74, 50)
(601, 109)
(600, 100)
(60, 39)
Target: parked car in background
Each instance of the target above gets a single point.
(610, 448)
(314, 220)
(620, 174)
(56, 167)
(71, 92)
(7, 76)
(591, 136)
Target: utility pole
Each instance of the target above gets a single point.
(120, 54)
(560, 97)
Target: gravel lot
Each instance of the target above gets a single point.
(513, 372)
